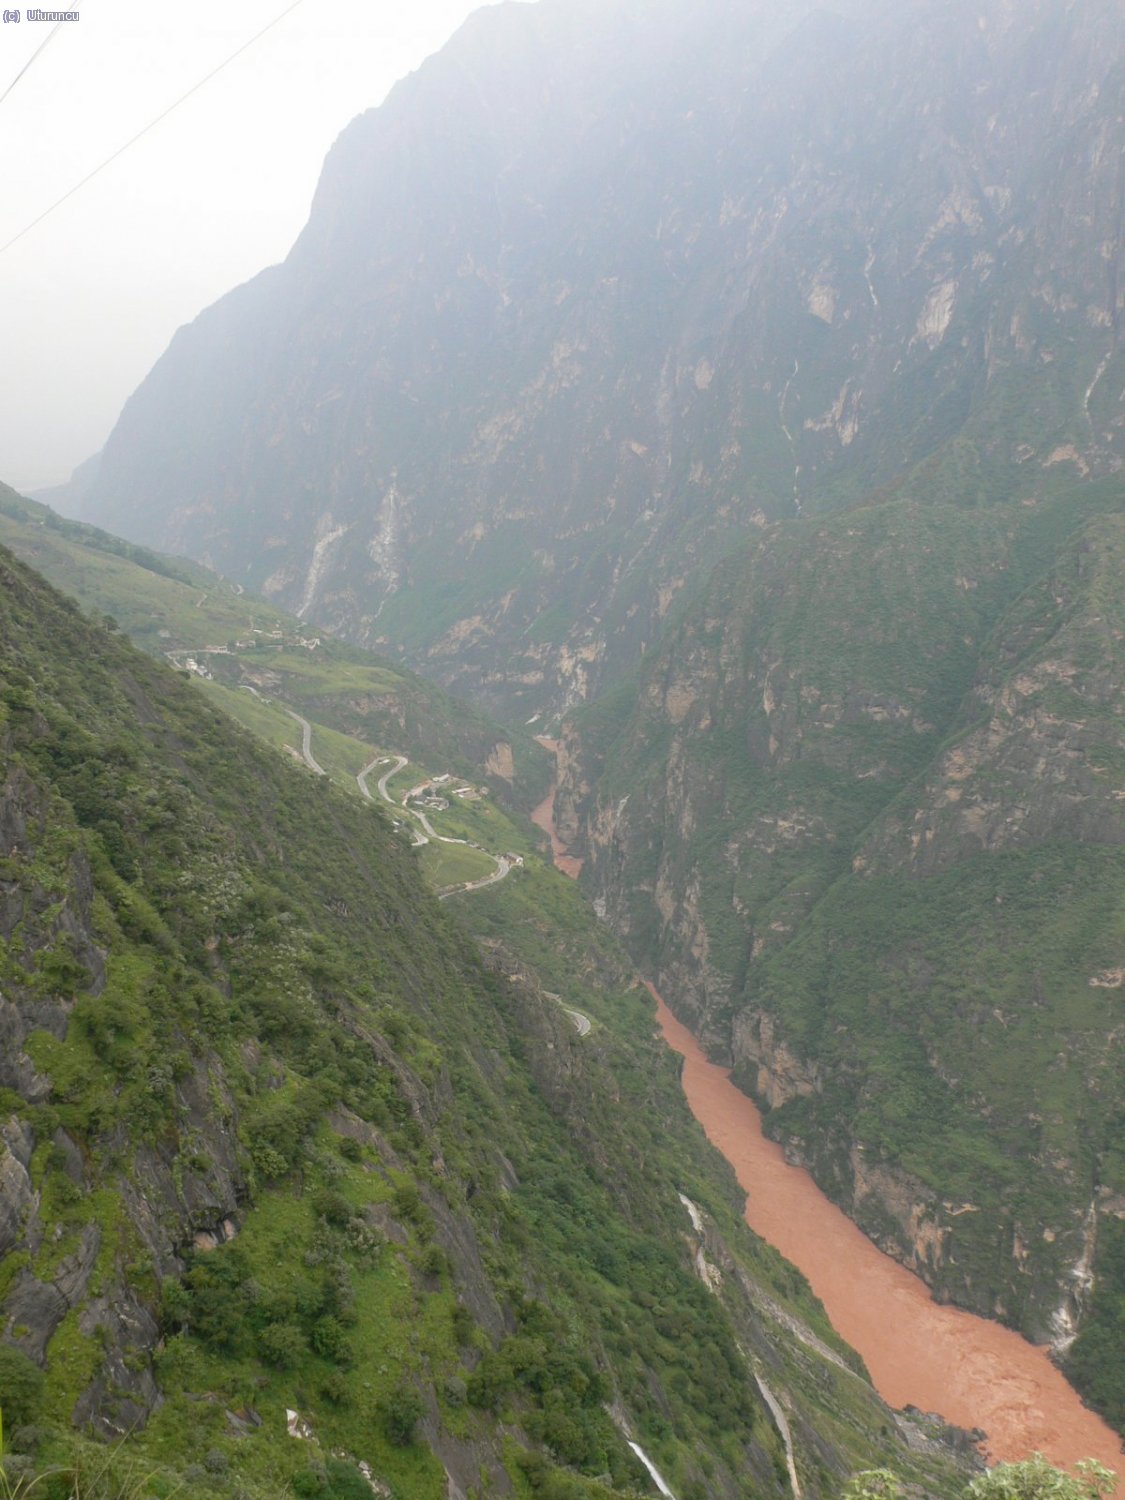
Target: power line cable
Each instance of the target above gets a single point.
(42, 47)
(152, 124)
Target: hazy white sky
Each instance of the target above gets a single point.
(90, 298)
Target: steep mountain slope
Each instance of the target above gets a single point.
(591, 327)
(864, 817)
(183, 612)
(603, 286)
(275, 1137)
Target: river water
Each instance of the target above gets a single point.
(919, 1353)
(544, 817)
(974, 1372)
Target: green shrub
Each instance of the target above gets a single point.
(21, 1387)
(401, 1414)
(434, 1261)
(334, 1388)
(345, 1482)
(463, 1324)
(332, 1206)
(331, 1342)
(283, 1345)
(1035, 1479)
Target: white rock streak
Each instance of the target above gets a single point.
(782, 1424)
(789, 436)
(868, 264)
(693, 1213)
(1090, 389)
(654, 1473)
(319, 562)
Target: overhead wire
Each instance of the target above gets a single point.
(152, 124)
(42, 47)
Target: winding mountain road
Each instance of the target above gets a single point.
(503, 865)
(397, 764)
(582, 1024)
(306, 744)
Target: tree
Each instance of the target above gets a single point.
(283, 1345)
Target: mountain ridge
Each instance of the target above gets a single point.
(520, 382)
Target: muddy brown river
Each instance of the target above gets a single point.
(544, 817)
(975, 1372)
(919, 1353)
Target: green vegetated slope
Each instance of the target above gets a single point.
(239, 646)
(276, 1139)
(268, 671)
(864, 817)
(538, 931)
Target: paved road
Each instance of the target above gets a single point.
(397, 764)
(306, 743)
(582, 1024)
(501, 870)
(503, 866)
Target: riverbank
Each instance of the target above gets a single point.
(920, 1353)
(976, 1373)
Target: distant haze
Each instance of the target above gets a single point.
(90, 298)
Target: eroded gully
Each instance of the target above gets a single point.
(919, 1353)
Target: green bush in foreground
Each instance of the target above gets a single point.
(1031, 1479)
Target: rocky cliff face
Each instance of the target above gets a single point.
(602, 288)
(863, 820)
(806, 687)
(1039, 759)
(53, 1268)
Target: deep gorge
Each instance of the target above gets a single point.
(975, 1373)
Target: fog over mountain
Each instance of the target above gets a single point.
(736, 391)
(603, 287)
